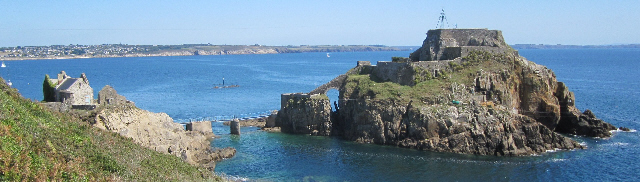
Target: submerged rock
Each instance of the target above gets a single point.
(466, 91)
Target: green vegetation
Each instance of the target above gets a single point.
(320, 97)
(421, 75)
(428, 88)
(39, 145)
(400, 59)
(48, 89)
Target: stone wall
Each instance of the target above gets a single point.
(401, 73)
(284, 98)
(203, 127)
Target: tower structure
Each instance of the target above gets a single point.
(442, 20)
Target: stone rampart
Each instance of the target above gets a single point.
(401, 73)
(203, 126)
(447, 44)
(284, 98)
(364, 63)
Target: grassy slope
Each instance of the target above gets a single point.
(428, 88)
(38, 145)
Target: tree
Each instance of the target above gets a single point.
(48, 89)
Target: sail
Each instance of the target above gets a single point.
(3, 65)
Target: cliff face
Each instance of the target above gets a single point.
(487, 102)
(305, 114)
(482, 108)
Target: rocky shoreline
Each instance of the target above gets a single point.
(464, 91)
(156, 131)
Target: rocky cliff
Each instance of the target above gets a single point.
(488, 101)
(156, 131)
(305, 114)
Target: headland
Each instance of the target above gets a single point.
(124, 50)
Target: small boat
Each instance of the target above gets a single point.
(3, 65)
(328, 55)
(9, 82)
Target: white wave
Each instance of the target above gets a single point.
(554, 150)
(558, 160)
(584, 144)
(616, 144)
(619, 130)
(231, 177)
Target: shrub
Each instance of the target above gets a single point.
(48, 89)
(400, 59)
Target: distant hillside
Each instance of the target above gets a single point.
(39, 145)
(123, 50)
(407, 48)
(559, 46)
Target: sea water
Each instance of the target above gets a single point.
(603, 80)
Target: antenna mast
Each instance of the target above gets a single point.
(442, 20)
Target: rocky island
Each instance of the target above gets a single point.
(464, 91)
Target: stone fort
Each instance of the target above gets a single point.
(439, 48)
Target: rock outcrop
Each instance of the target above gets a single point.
(109, 96)
(305, 114)
(157, 131)
(483, 99)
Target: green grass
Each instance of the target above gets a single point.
(38, 145)
(428, 88)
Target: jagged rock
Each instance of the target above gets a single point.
(305, 115)
(157, 131)
(576, 123)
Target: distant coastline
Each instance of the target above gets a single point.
(560, 46)
(124, 50)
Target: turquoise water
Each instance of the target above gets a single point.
(604, 80)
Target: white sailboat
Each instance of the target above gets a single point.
(4, 66)
(328, 55)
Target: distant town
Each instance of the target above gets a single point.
(124, 50)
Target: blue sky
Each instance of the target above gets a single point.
(284, 22)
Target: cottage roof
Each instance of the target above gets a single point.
(67, 83)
